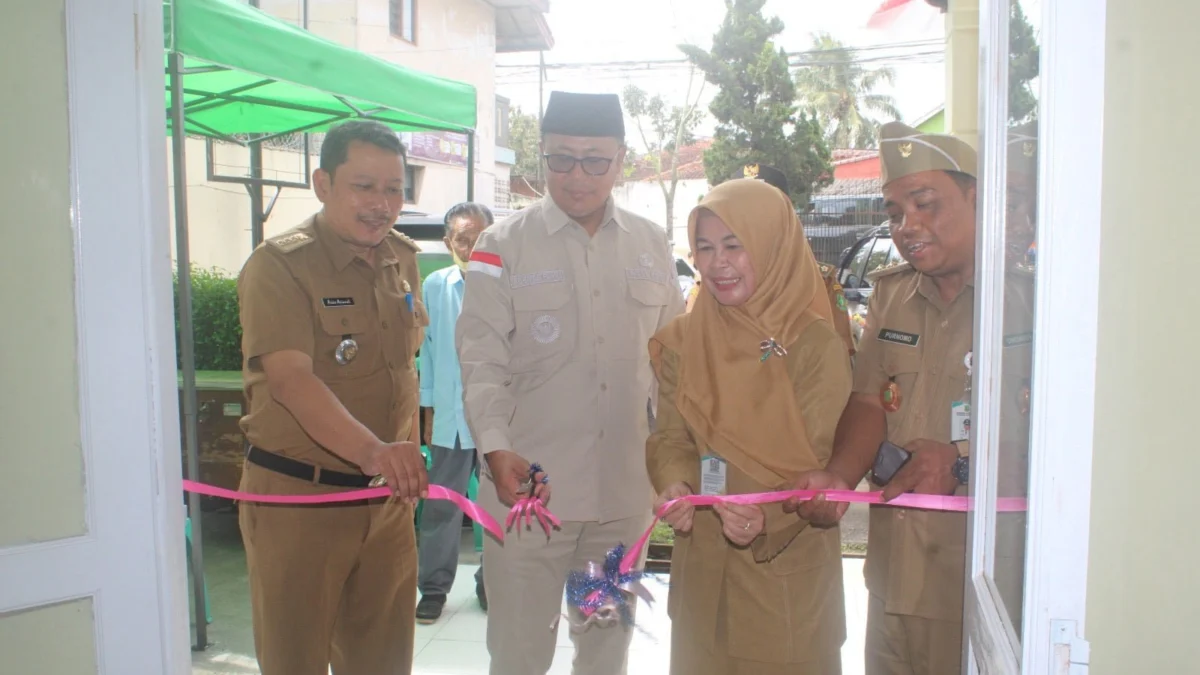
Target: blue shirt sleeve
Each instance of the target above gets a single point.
(425, 370)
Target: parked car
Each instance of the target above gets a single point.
(873, 251)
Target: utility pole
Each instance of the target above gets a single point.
(541, 106)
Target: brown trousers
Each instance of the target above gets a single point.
(329, 584)
(911, 645)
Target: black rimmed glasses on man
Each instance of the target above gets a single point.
(592, 166)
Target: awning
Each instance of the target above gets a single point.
(249, 72)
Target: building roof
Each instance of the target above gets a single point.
(850, 155)
(689, 160)
(851, 187)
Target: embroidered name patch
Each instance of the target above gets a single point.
(657, 276)
(546, 277)
(337, 302)
(897, 337)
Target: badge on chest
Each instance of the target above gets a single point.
(713, 475)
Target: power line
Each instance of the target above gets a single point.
(790, 55)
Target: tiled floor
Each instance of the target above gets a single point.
(456, 644)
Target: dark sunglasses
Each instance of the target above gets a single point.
(592, 166)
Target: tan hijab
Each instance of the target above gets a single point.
(740, 405)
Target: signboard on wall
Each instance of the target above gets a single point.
(445, 147)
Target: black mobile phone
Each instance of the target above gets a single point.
(888, 460)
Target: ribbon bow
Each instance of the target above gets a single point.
(603, 592)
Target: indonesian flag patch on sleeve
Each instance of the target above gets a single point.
(488, 263)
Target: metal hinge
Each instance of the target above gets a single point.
(1071, 652)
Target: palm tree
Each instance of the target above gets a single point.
(841, 93)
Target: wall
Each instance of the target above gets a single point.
(40, 435)
(455, 39)
(1143, 592)
(645, 198)
(866, 168)
(219, 213)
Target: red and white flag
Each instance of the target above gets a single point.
(904, 16)
(488, 263)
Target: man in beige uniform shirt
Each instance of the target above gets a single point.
(911, 382)
(561, 301)
(330, 325)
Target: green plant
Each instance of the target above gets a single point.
(662, 534)
(215, 322)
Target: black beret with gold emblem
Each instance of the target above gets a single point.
(767, 174)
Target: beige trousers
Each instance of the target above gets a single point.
(525, 578)
(329, 584)
(911, 645)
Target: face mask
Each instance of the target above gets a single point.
(462, 264)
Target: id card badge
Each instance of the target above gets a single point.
(960, 421)
(712, 475)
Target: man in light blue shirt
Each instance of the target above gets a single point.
(451, 449)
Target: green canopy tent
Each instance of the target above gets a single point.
(233, 70)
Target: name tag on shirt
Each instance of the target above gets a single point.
(712, 475)
(960, 421)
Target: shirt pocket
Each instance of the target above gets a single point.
(645, 302)
(339, 324)
(544, 326)
(902, 365)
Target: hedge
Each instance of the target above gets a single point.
(215, 322)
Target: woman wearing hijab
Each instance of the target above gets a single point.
(751, 385)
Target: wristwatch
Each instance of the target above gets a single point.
(961, 470)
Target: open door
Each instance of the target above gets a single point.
(91, 517)
(1042, 87)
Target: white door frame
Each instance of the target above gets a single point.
(1071, 91)
(131, 560)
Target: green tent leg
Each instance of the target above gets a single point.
(421, 503)
(472, 492)
(187, 535)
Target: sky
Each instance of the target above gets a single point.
(586, 31)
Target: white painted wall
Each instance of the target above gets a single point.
(645, 198)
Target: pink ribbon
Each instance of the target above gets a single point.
(435, 492)
(531, 507)
(908, 500)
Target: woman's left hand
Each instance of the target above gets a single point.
(741, 523)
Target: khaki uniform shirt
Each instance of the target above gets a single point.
(305, 290)
(553, 345)
(916, 559)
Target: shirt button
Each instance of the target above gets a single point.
(596, 293)
(601, 433)
(600, 339)
(900, 515)
(344, 322)
(945, 323)
(603, 387)
(391, 365)
(385, 325)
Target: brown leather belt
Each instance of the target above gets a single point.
(304, 471)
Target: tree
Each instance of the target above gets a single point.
(755, 107)
(841, 94)
(1023, 56)
(526, 138)
(669, 131)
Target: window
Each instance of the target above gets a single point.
(411, 175)
(402, 19)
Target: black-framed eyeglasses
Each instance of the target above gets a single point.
(592, 166)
